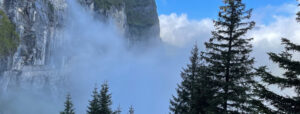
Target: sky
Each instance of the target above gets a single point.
(148, 79)
(193, 19)
(198, 9)
(184, 22)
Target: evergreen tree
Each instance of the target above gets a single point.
(118, 111)
(290, 79)
(194, 91)
(94, 106)
(298, 15)
(228, 59)
(68, 106)
(131, 110)
(105, 100)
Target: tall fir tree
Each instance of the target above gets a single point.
(194, 91)
(105, 100)
(228, 59)
(290, 79)
(94, 106)
(131, 110)
(68, 106)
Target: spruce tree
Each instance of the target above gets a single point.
(118, 111)
(194, 92)
(68, 106)
(290, 79)
(131, 110)
(105, 100)
(94, 106)
(228, 58)
(298, 15)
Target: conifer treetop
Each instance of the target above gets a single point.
(131, 110)
(68, 106)
(94, 105)
(298, 14)
(105, 99)
(228, 58)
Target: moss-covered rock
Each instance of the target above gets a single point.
(141, 12)
(9, 39)
(107, 4)
(142, 20)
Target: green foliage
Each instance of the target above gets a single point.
(298, 15)
(9, 39)
(195, 91)
(136, 16)
(51, 7)
(105, 100)
(229, 61)
(94, 107)
(101, 102)
(290, 79)
(107, 4)
(131, 110)
(68, 106)
(118, 111)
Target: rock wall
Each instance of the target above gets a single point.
(39, 24)
(137, 18)
(142, 20)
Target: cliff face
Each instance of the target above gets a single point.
(39, 25)
(137, 18)
(9, 41)
(142, 20)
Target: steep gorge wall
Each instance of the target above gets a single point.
(39, 25)
(137, 18)
(142, 20)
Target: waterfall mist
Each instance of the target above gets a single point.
(93, 52)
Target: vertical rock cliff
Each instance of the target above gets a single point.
(39, 25)
(137, 18)
(142, 20)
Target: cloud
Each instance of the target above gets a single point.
(266, 14)
(268, 36)
(282, 23)
(178, 30)
(273, 23)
